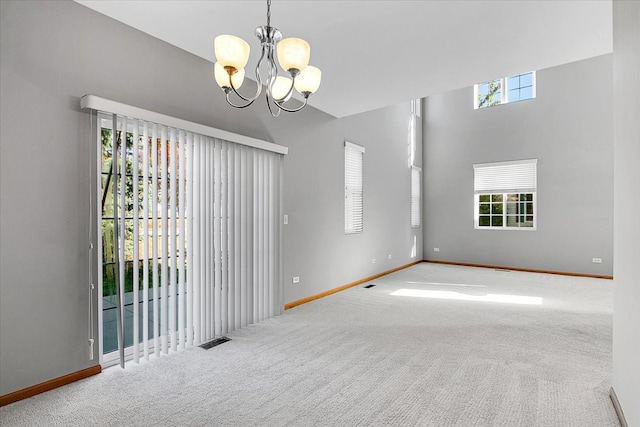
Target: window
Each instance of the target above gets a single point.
(414, 127)
(502, 91)
(520, 87)
(488, 94)
(505, 195)
(416, 174)
(353, 194)
(416, 107)
(505, 210)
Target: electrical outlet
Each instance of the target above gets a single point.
(296, 279)
(285, 219)
(597, 260)
(436, 249)
(374, 261)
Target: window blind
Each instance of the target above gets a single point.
(196, 235)
(504, 177)
(416, 176)
(353, 188)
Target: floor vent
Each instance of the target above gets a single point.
(215, 342)
(369, 286)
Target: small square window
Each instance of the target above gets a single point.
(488, 93)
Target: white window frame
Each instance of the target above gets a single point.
(353, 188)
(416, 107)
(510, 177)
(414, 118)
(504, 90)
(416, 196)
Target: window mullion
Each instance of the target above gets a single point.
(503, 95)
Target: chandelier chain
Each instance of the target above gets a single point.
(268, 13)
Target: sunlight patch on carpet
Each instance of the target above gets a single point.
(447, 284)
(499, 298)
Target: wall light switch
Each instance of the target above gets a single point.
(286, 219)
(436, 249)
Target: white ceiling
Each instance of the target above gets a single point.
(378, 53)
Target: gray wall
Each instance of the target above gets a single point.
(54, 52)
(626, 300)
(316, 248)
(568, 128)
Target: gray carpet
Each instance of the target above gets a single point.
(364, 357)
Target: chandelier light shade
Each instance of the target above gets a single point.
(308, 81)
(293, 54)
(231, 51)
(232, 55)
(281, 89)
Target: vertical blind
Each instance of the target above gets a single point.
(504, 177)
(192, 234)
(353, 191)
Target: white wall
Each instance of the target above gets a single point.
(568, 128)
(52, 53)
(626, 301)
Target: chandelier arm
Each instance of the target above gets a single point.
(242, 97)
(282, 107)
(277, 113)
(259, 89)
(273, 74)
(259, 74)
(289, 92)
(258, 81)
(237, 105)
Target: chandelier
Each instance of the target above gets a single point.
(232, 54)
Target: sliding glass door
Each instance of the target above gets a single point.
(190, 237)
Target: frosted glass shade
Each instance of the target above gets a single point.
(280, 88)
(308, 80)
(231, 51)
(293, 54)
(222, 77)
